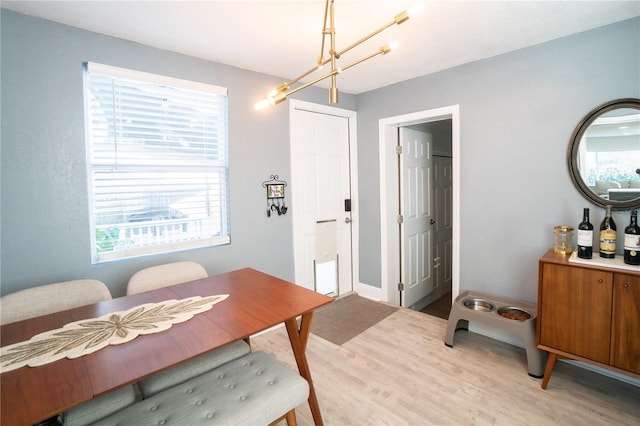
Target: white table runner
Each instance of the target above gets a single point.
(87, 336)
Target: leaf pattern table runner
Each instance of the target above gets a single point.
(87, 336)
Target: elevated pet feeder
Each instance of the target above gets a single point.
(511, 316)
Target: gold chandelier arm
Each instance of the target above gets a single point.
(280, 93)
(324, 31)
(284, 91)
(304, 74)
(333, 90)
(398, 19)
(310, 83)
(381, 51)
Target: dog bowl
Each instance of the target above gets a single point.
(479, 305)
(513, 313)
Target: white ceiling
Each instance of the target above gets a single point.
(282, 38)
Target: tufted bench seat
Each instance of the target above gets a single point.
(112, 402)
(255, 389)
(192, 368)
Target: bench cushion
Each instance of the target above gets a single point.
(100, 407)
(192, 368)
(255, 389)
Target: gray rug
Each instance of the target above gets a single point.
(343, 319)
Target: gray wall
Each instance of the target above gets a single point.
(44, 216)
(517, 114)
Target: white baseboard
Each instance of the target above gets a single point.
(370, 292)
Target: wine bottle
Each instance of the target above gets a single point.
(608, 236)
(585, 236)
(632, 241)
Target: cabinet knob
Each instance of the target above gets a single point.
(626, 285)
(600, 280)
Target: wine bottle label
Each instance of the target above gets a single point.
(585, 238)
(608, 241)
(631, 242)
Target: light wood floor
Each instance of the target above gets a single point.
(399, 372)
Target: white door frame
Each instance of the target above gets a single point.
(353, 166)
(389, 229)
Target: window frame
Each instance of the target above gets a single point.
(222, 170)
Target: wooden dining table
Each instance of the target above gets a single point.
(256, 302)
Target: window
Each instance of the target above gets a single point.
(157, 164)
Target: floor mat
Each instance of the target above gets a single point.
(342, 320)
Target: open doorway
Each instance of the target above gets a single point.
(445, 156)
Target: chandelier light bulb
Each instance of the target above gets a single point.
(261, 105)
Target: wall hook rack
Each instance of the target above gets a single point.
(275, 195)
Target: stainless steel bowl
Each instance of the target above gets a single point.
(479, 305)
(513, 313)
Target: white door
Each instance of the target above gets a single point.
(443, 228)
(320, 185)
(416, 211)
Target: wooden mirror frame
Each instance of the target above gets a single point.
(574, 145)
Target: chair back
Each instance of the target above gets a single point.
(50, 298)
(165, 275)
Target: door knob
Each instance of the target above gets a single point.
(347, 220)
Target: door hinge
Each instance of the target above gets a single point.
(399, 149)
(400, 219)
(400, 286)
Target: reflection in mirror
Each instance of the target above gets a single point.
(605, 155)
(609, 155)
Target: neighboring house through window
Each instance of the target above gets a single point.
(157, 163)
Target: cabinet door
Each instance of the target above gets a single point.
(625, 330)
(575, 313)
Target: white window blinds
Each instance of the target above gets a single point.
(156, 161)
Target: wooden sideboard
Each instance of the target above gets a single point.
(589, 311)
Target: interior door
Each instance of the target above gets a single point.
(442, 228)
(416, 207)
(320, 186)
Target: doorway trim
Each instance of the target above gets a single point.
(351, 116)
(389, 229)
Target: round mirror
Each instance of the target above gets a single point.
(604, 155)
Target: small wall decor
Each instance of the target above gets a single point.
(275, 195)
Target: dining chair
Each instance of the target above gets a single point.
(56, 297)
(165, 275)
(50, 298)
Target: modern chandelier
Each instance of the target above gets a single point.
(281, 93)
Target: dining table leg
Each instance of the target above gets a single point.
(299, 336)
